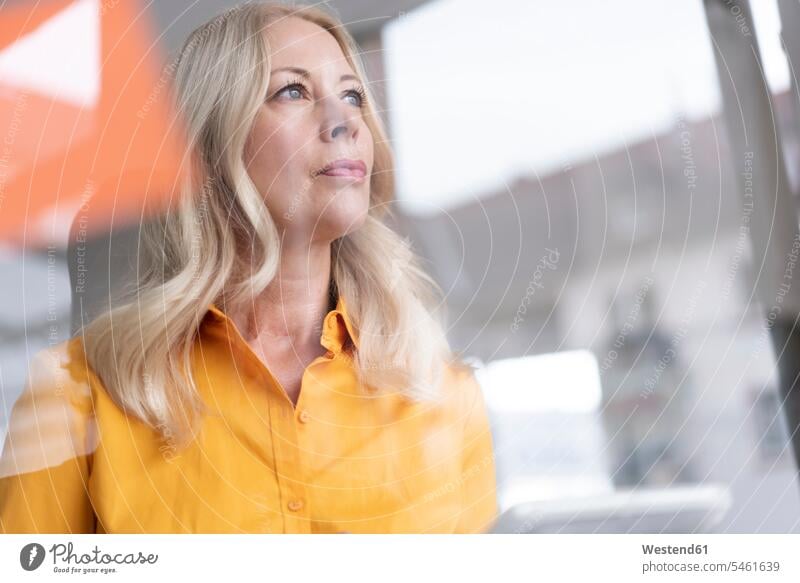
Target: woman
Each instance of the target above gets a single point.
(281, 368)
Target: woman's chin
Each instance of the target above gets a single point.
(341, 221)
(343, 211)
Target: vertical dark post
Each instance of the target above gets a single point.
(790, 37)
(761, 175)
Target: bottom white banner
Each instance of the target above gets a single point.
(405, 558)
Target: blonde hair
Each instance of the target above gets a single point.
(221, 237)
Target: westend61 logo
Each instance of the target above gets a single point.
(65, 560)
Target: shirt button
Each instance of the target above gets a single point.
(305, 416)
(295, 505)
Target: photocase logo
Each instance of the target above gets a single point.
(31, 556)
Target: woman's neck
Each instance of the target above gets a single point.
(292, 307)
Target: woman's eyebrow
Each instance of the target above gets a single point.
(305, 74)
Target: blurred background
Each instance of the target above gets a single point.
(607, 194)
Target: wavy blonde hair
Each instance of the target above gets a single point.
(221, 238)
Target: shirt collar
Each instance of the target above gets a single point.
(337, 327)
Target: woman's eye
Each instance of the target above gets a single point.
(293, 91)
(356, 98)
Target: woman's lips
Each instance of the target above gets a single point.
(355, 173)
(345, 169)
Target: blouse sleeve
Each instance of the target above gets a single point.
(47, 454)
(478, 482)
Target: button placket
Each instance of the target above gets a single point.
(289, 469)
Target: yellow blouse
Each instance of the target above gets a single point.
(342, 460)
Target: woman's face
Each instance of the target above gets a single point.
(311, 117)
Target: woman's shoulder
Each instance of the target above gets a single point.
(461, 387)
(63, 371)
(51, 420)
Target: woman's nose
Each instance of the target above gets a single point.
(339, 121)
